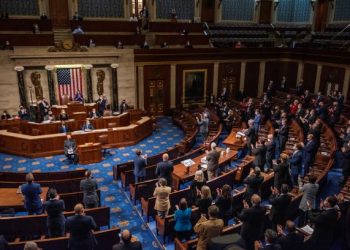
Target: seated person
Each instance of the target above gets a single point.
(188, 45)
(145, 45)
(123, 107)
(78, 31)
(63, 116)
(78, 97)
(87, 126)
(49, 117)
(63, 128)
(70, 149)
(23, 113)
(93, 114)
(5, 115)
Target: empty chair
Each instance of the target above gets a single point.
(103, 139)
(65, 99)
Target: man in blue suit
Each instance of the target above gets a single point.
(282, 135)
(309, 152)
(87, 126)
(165, 169)
(80, 227)
(54, 208)
(102, 104)
(140, 164)
(31, 192)
(257, 120)
(296, 161)
(63, 128)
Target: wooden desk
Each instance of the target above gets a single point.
(9, 198)
(180, 176)
(73, 107)
(89, 153)
(10, 123)
(47, 145)
(233, 142)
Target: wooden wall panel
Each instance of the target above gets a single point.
(157, 72)
(229, 77)
(208, 11)
(251, 79)
(265, 11)
(309, 76)
(276, 70)
(333, 75)
(179, 79)
(59, 13)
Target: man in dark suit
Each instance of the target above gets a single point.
(165, 169)
(3, 243)
(345, 163)
(270, 151)
(70, 149)
(89, 187)
(290, 239)
(123, 107)
(63, 128)
(253, 181)
(250, 135)
(309, 152)
(295, 162)
(253, 221)
(260, 154)
(93, 114)
(270, 241)
(140, 163)
(325, 222)
(213, 161)
(102, 103)
(280, 203)
(80, 227)
(282, 134)
(31, 192)
(54, 208)
(87, 126)
(128, 242)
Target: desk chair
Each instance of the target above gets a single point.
(103, 139)
(65, 99)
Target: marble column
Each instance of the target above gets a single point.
(115, 100)
(89, 83)
(51, 85)
(21, 86)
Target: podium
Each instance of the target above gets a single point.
(89, 153)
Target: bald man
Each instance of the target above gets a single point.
(80, 227)
(128, 242)
(70, 149)
(165, 169)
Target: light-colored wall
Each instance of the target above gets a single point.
(36, 58)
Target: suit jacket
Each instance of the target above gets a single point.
(270, 151)
(3, 243)
(64, 129)
(213, 160)
(260, 156)
(271, 247)
(31, 192)
(92, 115)
(101, 105)
(282, 175)
(309, 151)
(253, 222)
(280, 204)
(89, 187)
(291, 241)
(136, 245)
(296, 162)
(54, 210)
(87, 127)
(203, 125)
(140, 164)
(164, 170)
(283, 135)
(162, 198)
(207, 229)
(309, 194)
(324, 229)
(70, 144)
(123, 107)
(251, 136)
(253, 185)
(80, 228)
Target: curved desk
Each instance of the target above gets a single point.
(46, 145)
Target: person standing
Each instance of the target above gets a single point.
(54, 208)
(203, 124)
(290, 239)
(89, 187)
(165, 169)
(140, 163)
(270, 151)
(213, 161)
(309, 191)
(207, 229)
(260, 154)
(295, 162)
(70, 149)
(31, 192)
(128, 242)
(80, 228)
(281, 170)
(250, 135)
(280, 203)
(309, 152)
(162, 192)
(182, 217)
(253, 181)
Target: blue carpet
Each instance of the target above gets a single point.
(123, 213)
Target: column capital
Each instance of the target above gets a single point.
(88, 66)
(19, 68)
(49, 67)
(114, 65)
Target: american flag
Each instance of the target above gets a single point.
(69, 82)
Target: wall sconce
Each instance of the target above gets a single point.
(275, 4)
(257, 3)
(313, 4)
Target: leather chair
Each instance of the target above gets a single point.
(103, 139)
(112, 125)
(65, 99)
